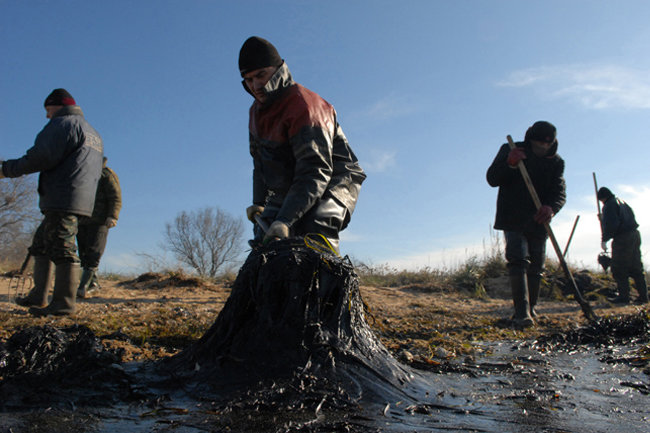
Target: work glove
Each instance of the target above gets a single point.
(253, 210)
(543, 215)
(603, 245)
(278, 230)
(515, 155)
(110, 222)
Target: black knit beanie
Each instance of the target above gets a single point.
(59, 97)
(604, 193)
(257, 53)
(541, 131)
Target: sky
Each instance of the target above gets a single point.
(426, 92)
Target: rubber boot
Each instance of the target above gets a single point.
(86, 279)
(65, 292)
(642, 288)
(37, 296)
(94, 283)
(519, 287)
(533, 293)
(623, 287)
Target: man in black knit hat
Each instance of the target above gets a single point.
(517, 216)
(306, 179)
(619, 224)
(68, 154)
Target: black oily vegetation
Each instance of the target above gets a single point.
(615, 330)
(41, 365)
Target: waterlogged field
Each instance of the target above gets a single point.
(472, 370)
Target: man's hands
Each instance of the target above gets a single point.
(544, 215)
(1, 173)
(110, 222)
(515, 155)
(253, 210)
(278, 230)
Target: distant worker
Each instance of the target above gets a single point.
(618, 223)
(306, 179)
(93, 230)
(68, 154)
(522, 224)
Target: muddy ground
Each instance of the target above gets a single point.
(431, 329)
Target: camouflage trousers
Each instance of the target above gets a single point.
(55, 238)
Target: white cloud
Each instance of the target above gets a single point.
(390, 107)
(379, 161)
(593, 86)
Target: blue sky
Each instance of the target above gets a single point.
(426, 92)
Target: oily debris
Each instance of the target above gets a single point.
(45, 366)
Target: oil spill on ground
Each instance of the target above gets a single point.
(291, 351)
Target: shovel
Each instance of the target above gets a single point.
(586, 308)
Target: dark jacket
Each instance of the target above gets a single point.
(515, 207)
(617, 218)
(108, 201)
(299, 151)
(68, 154)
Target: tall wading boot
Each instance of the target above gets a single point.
(519, 287)
(641, 287)
(87, 276)
(37, 296)
(623, 286)
(533, 293)
(65, 292)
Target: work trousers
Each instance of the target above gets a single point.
(626, 259)
(55, 238)
(525, 253)
(91, 239)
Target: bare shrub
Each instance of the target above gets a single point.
(19, 216)
(205, 240)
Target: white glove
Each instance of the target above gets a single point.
(110, 222)
(603, 245)
(278, 230)
(253, 210)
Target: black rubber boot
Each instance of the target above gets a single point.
(37, 296)
(533, 293)
(641, 287)
(65, 292)
(86, 279)
(519, 287)
(623, 287)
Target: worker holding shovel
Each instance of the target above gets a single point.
(517, 215)
(618, 223)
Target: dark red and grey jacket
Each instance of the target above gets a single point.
(515, 207)
(68, 153)
(299, 151)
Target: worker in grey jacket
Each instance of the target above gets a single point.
(68, 154)
(619, 224)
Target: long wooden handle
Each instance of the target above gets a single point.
(586, 308)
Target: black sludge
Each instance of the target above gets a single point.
(49, 366)
(295, 313)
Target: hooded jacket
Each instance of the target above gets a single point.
(515, 207)
(68, 154)
(617, 218)
(299, 151)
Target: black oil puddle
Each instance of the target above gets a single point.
(291, 352)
